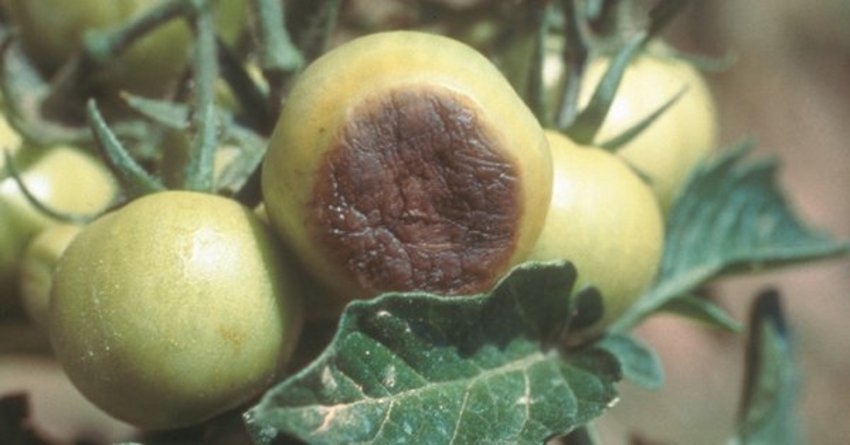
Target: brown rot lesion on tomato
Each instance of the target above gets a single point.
(404, 161)
(415, 193)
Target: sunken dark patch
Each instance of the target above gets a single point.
(416, 194)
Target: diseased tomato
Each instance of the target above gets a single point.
(605, 220)
(173, 309)
(405, 161)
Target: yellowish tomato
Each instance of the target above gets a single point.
(668, 150)
(37, 266)
(405, 161)
(605, 220)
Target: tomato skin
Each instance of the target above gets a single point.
(679, 139)
(605, 220)
(173, 309)
(37, 267)
(52, 32)
(65, 179)
(369, 70)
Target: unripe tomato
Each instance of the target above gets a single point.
(52, 31)
(37, 266)
(63, 178)
(173, 309)
(669, 149)
(405, 161)
(605, 220)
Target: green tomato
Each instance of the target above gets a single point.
(52, 32)
(605, 220)
(37, 266)
(173, 309)
(405, 161)
(669, 149)
(63, 178)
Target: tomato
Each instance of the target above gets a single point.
(52, 31)
(37, 266)
(173, 309)
(405, 161)
(679, 139)
(605, 220)
(63, 178)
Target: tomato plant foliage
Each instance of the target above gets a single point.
(479, 369)
(484, 367)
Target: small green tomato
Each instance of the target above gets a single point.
(173, 309)
(37, 266)
(605, 220)
(669, 149)
(52, 31)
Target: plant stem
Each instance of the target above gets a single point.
(198, 171)
(101, 45)
(279, 58)
(574, 56)
(535, 87)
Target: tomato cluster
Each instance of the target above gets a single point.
(401, 161)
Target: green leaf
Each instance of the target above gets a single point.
(587, 123)
(169, 114)
(703, 310)
(620, 140)
(421, 368)
(640, 364)
(768, 415)
(731, 217)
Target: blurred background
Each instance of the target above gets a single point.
(790, 89)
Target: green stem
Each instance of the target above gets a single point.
(279, 58)
(574, 56)
(277, 52)
(71, 218)
(134, 179)
(103, 45)
(315, 40)
(536, 89)
(198, 171)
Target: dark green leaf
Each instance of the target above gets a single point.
(768, 415)
(703, 310)
(420, 368)
(639, 363)
(731, 217)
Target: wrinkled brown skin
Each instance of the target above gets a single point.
(416, 195)
(404, 161)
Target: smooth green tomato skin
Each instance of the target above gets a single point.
(605, 220)
(37, 266)
(173, 309)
